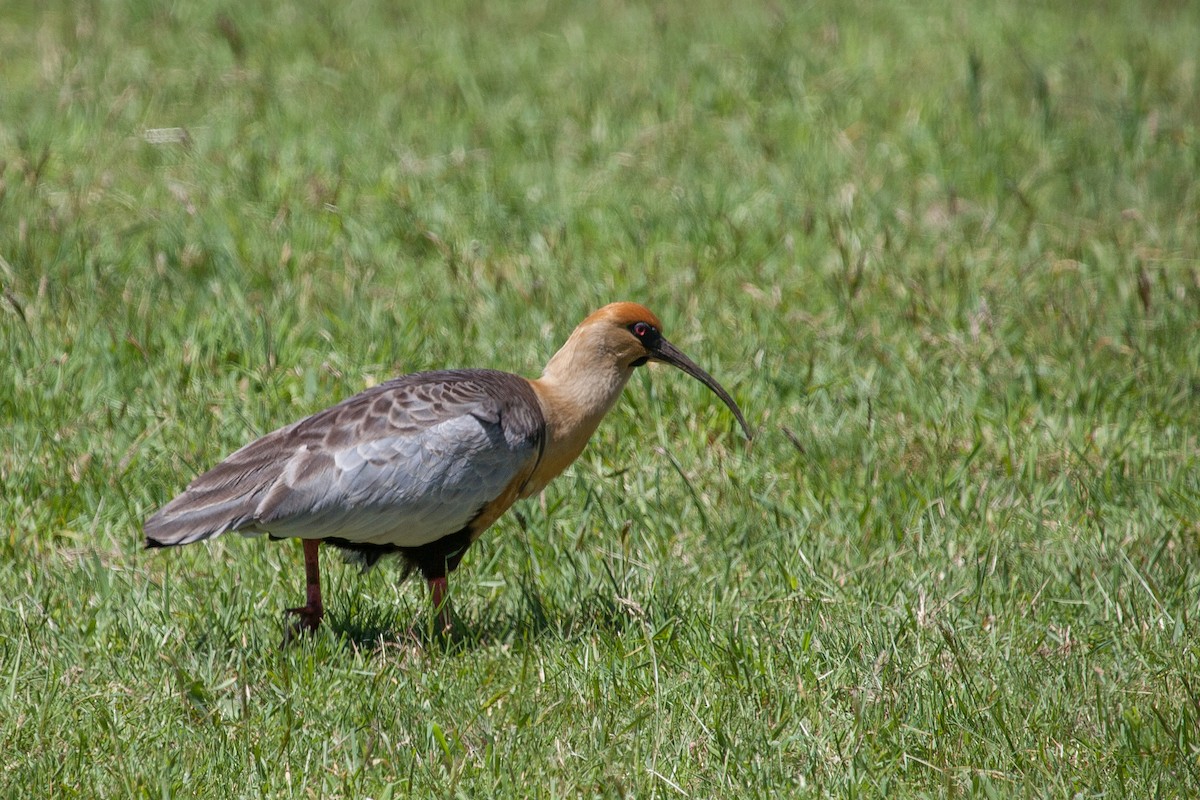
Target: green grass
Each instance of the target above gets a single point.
(944, 255)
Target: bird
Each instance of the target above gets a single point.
(421, 465)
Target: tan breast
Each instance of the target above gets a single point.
(572, 410)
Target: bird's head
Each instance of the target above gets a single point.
(631, 335)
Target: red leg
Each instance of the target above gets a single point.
(441, 605)
(309, 616)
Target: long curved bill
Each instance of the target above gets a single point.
(668, 353)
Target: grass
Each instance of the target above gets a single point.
(944, 255)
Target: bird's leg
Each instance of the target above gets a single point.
(441, 604)
(308, 617)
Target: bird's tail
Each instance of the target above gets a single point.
(194, 516)
(226, 498)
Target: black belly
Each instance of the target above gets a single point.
(434, 560)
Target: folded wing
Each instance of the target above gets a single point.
(404, 463)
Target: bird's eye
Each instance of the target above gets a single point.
(640, 329)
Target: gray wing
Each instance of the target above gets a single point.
(404, 463)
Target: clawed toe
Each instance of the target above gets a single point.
(305, 619)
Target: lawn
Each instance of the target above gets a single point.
(946, 256)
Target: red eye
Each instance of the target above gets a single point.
(640, 329)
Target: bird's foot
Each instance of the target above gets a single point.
(439, 628)
(438, 591)
(305, 619)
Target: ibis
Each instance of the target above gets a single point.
(422, 465)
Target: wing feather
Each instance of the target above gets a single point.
(405, 463)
